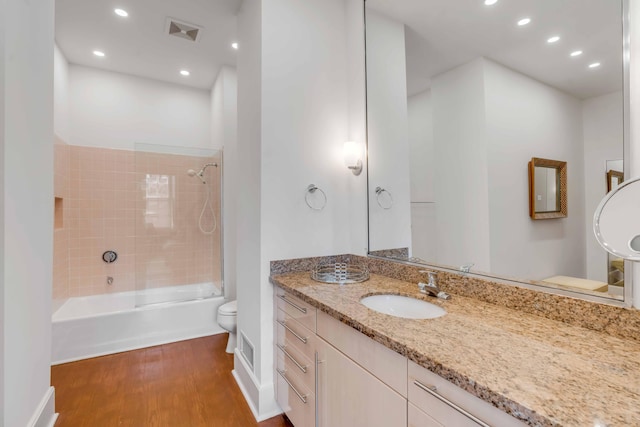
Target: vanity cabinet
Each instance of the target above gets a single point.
(295, 352)
(331, 375)
(348, 395)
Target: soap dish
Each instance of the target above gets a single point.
(340, 272)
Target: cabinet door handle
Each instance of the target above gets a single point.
(295, 334)
(296, 306)
(316, 385)
(302, 397)
(286, 353)
(433, 392)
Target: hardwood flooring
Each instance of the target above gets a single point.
(183, 384)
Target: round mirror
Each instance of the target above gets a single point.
(616, 222)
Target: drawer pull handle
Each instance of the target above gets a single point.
(316, 385)
(433, 392)
(286, 353)
(296, 306)
(295, 334)
(302, 397)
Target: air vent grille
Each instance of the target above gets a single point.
(246, 348)
(183, 30)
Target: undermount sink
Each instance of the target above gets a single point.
(401, 306)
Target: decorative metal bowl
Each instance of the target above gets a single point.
(340, 272)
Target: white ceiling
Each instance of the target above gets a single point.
(442, 34)
(139, 44)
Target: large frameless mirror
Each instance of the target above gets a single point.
(461, 95)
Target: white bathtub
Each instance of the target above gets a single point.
(93, 326)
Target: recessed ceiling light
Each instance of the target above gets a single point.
(234, 45)
(184, 72)
(524, 21)
(490, 2)
(576, 53)
(121, 12)
(553, 39)
(594, 65)
(98, 53)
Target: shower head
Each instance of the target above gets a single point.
(200, 174)
(193, 173)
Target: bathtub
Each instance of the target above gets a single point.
(96, 325)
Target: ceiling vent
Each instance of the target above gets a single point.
(183, 30)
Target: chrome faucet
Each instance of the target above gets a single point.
(431, 287)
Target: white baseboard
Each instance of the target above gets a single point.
(260, 398)
(45, 414)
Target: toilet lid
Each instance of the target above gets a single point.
(229, 308)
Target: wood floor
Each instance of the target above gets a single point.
(183, 384)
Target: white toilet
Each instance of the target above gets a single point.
(227, 319)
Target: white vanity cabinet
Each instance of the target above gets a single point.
(360, 382)
(295, 349)
(331, 375)
(350, 396)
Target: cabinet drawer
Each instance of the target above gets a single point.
(296, 308)
(417, 418)
(449, 405)
(387, 365)
(290, 333)
(295, 400)
(290, 359)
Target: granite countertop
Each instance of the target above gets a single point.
(544, 372)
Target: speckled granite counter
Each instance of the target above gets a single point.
(544, 372)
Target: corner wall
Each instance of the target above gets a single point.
(603, 140)
(26, 136)
(224, 129)
(295, 77)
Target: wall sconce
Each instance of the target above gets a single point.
(353, 153)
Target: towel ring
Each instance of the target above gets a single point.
(311, 189)
(379, 198)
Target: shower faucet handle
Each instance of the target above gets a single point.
(109, 256)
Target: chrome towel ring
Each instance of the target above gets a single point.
(313, 201)
(384, 198)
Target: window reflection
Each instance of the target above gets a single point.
(159, 198)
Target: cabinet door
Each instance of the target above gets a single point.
(349, 396)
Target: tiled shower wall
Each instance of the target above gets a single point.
(143, 206)
(61, 220)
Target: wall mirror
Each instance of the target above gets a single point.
(547, 189)
(615, 176)
(460, 97)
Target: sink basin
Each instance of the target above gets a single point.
(400, 306)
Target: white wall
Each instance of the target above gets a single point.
(114, 110)
(60, 94)
(424, 237)
(462, 192)
(293, 111)
(26, 68)
(388, 132)
(357, 125)
(248, 263)
(224, 123)
(603, 140)
(526, 119)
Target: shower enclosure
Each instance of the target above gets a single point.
(178, 224)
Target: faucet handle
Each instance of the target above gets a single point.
(433, 276)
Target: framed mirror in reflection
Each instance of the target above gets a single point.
(547, 189)
(461, 95)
